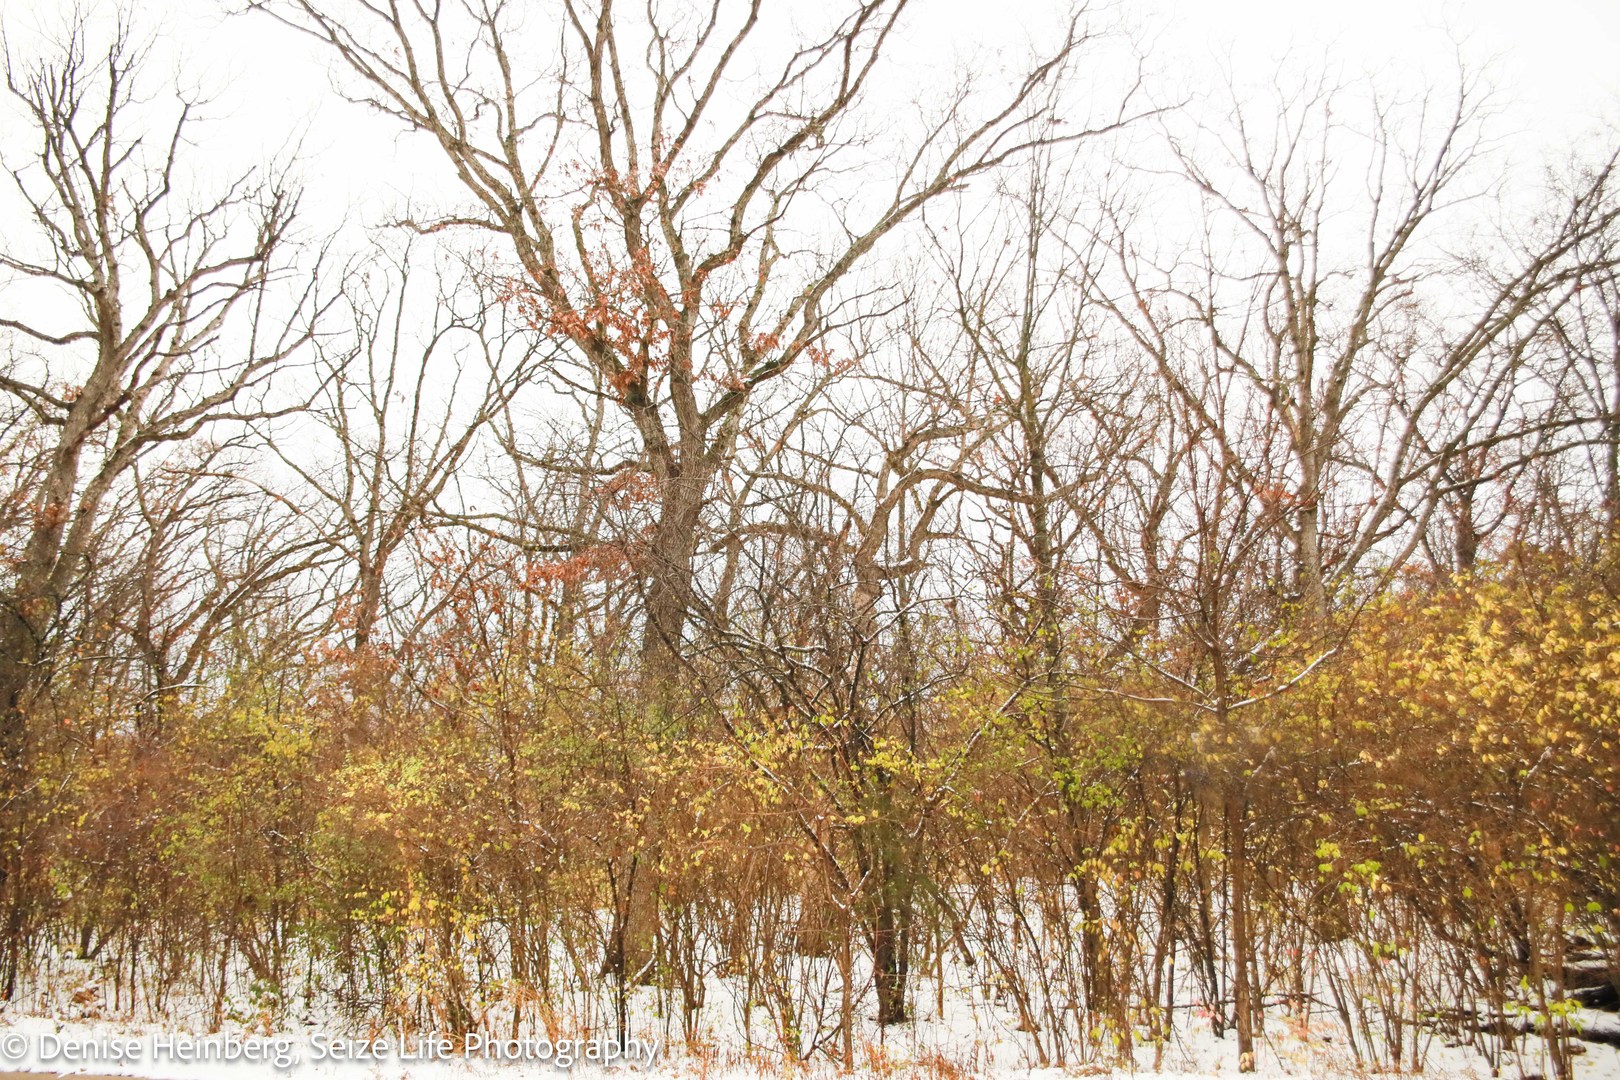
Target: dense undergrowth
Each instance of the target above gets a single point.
(1420, 834)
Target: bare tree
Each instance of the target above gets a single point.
(212, 554)
(841, 671)
(152, 318)
(1321, 287)
(681, 226)
(405, 396)
(1583, 383)
(673, 233)
(1069, 419)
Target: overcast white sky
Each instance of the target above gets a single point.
(1552, 63)
(1554, 60)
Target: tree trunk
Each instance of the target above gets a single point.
(26, 623)
(891, 922)
(1467, 541)
(670, 555)
(889, 960)
(1243, 1005)
(1312, 589)
(635, 922)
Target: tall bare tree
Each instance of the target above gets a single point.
(151, 317)
(673, 229)
(1328, 295)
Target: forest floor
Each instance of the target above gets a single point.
(44, 1046)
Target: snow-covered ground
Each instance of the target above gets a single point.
(72, 1019)
(939, 1051)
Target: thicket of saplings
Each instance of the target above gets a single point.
(496, 822)
(486, 829)
(657, 612)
